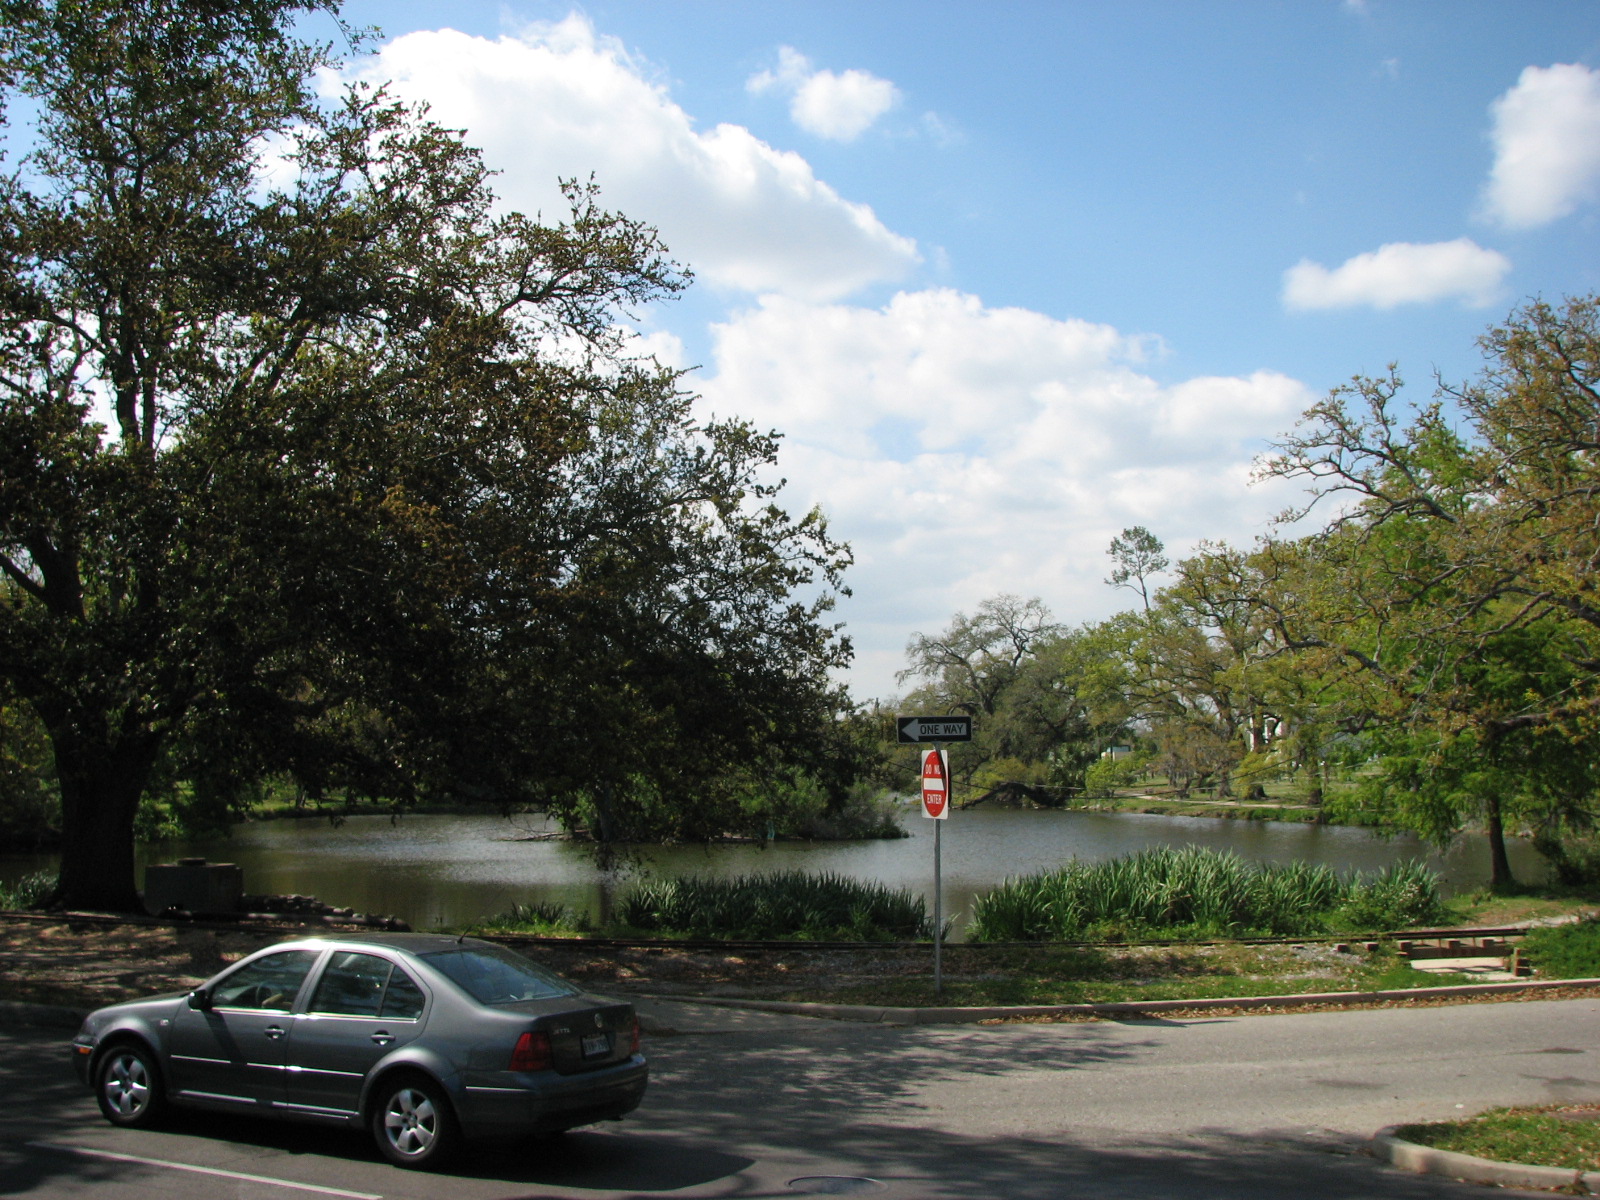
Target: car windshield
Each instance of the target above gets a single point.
(493, 975)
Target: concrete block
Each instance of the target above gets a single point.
(193, 885)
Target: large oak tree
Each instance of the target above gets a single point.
(313, 460)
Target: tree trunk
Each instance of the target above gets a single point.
(1500, 876)
(100, 791)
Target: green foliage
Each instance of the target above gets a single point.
(1044, 699)
(31, 891)
(1575, 857)
(547, 918)
(1449, 602)
(1138, 555)
(787, 904)
(1402, 895)
(1201, 893)
(866, 811)
(1106, 775)
(30, 806)
(1565, 951)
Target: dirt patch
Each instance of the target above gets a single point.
(747, 973)
(85, 964)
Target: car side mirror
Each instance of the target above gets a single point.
(200, 999)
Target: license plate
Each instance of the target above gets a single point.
(595, 1045)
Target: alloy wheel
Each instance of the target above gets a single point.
(127, 1084)
(411, 1122)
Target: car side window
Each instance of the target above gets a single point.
(269, 983)
(352, 985)
(404, 999)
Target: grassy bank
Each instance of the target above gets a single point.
(1064, 975)
(1206, 806)
(1158, 894)
(1554, 1135)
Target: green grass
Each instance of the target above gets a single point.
(1520, 906)
(1200, 893)
(1540, 1137)
(786, 904)
(1565, 951)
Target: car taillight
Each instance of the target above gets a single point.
(532, 1053)
(633, 1046)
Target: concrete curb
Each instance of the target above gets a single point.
(887, 1015)
(1425, 1160)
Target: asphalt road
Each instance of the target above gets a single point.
(751, 1105)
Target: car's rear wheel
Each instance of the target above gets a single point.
(413, 1124)
(128, 1087)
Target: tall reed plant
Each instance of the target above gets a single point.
(785, 904)
(1199, 892)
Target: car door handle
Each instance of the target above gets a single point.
(274, 1031)
(383, 1037)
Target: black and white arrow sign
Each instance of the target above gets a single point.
(933, 729)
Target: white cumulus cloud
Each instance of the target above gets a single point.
(558, 100)
(965, 451)
(839, 107)
(1546, 134)
(1400, 273)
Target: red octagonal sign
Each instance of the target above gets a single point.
(935, 786)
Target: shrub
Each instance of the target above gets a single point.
(1198, 892)
(1105, 775)
(787, 904)
(537, 917)
(867, 811)
(30, 891)
(1403, 895)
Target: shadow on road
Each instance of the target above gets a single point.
(739, 1115)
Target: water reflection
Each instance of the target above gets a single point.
(437, 870)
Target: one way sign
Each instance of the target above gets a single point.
(933, 729)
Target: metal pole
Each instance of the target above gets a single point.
(938, 888)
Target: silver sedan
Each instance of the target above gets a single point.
(425, 1039)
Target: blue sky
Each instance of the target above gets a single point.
(1014, 276)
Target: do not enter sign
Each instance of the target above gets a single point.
(935, 785)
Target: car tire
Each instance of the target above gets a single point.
(128, 1088)
(413, 1124)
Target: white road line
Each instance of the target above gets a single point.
(178, 1166)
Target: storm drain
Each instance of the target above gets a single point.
(835, 1185)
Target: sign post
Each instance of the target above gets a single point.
(936, 805)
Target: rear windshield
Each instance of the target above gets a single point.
(494, 975)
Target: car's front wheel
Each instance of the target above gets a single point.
(412, 1123)
(128, 1087)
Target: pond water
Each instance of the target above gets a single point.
(445, 870)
